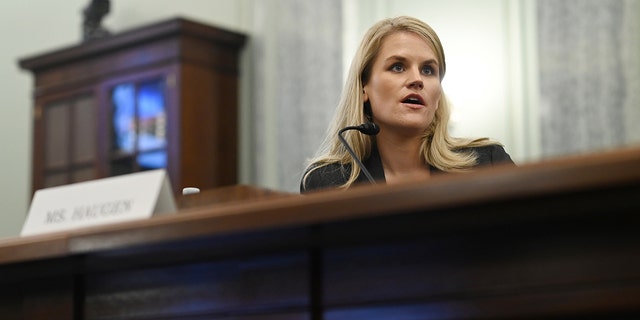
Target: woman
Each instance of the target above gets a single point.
(395, 82)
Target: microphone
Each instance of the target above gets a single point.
(369, 129)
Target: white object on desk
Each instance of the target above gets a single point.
(190, 190)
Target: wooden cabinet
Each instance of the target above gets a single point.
(160, 96)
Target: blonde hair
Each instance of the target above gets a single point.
(438, 148)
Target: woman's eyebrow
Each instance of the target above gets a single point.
(403, 59)
(395, 58)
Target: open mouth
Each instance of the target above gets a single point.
(413, 99)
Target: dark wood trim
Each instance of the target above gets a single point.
(140, 35)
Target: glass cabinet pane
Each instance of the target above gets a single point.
(152, 125)
(124, 118)
(82, 174)
(138, 127)
(57, 125)
(55, 179)
(84, 135)
(69, 140)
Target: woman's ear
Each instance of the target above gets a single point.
(367, 105)
(367, 110)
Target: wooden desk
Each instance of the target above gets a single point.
(552, 240)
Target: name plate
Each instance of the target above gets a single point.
(109, 200)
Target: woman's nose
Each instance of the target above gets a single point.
(416, 84)
(415, 80)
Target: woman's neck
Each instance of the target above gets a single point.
(401, 158)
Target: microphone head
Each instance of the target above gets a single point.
(369, 128)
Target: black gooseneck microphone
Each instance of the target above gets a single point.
(369, 129)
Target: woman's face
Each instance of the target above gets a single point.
(404, 85)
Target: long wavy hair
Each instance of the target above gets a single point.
(439, 149)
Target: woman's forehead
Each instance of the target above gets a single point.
(406, 45)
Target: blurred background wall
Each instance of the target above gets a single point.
(545, 77)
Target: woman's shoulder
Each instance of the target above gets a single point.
(491, 154)
(318, 177)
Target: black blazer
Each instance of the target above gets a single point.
(334, 175)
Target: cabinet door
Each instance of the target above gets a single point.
(69, 140)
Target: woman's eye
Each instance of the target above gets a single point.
(428, 70)
(397, 67)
